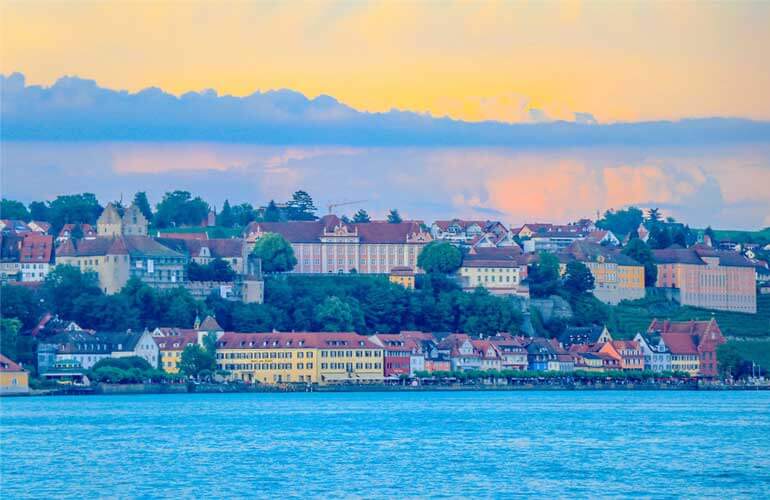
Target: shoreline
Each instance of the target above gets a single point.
(134, 389)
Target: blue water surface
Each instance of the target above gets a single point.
(430, 444)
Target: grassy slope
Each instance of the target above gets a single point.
(632, 317)
(757, 351)
(743, 236)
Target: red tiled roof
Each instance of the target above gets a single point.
(6, 365)
(319, 340)
(313, 231)
(679, 343)
(176, 342)
(36, 248)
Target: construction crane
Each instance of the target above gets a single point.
(332, 206)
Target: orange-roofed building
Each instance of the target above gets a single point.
(36, 257)
(693, 344)
(13, 378)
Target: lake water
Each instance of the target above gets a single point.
(435, 444)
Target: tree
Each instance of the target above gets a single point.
(18, 302)
(243, 214)
(729, 359)
(196, 359)
(179, 208)
(710, 233)
(588, 310)
(440, 257)
(621, 222)
(216, 270)
(333, 315)
(9, 334)
(252, 318)
(73, 209)
(680, 238)
(544, 276)
(272, 213)
(38, 210)
(301, 207)
(660, 237)
(226, 217)
(105, 312)
(178, 308)
(654, 216)
(12, 209)
(275, 252)
(143, 204)
(361, 216)
(64, 285)
(345, 219)
(640, 252)
(77, 232)
(578, 278)
(394, 217)
(144, 300)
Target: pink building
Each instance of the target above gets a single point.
(708, 278)
(328, 245)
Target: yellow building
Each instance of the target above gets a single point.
(616, 276)
(13, 378)
(307, 357)
(171, 347)
(403, 276)
(499, 270)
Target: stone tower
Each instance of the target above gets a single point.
(109, 223)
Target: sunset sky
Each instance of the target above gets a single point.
(593, 63)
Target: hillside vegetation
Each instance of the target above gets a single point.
(630, 317)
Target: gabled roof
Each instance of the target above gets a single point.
(210, 325)
(36, 248)
(135, 246)
(680, 343)
(7, 365)
(587, 251)
(223, 248)
(695, 255)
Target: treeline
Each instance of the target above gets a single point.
(663, 232)
(175, 209)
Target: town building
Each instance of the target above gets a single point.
(552, 241)
(693, 344)
(13, 378)
(603, 237)
(10, 257)
(433, 359)
(616, 276)
(499, 270)
(87, 232)
(88, 348)
(399, 351)
(458, 347)
(542, 355)
(66, 372)
(203, 252)
(171, 342)
(585, 335)
(631, 354)
(473, 233)
(330, 245)
(307, 357)
(36, 257)
(131, 223)
(657, 357)
(708, 278)
(116, 259)
(402, 275)
(490, 357)
(513, 351)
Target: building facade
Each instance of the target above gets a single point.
(707, 278)
(308, 357)
(329, 245)
(693, 344)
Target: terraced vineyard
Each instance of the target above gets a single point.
(631, 317)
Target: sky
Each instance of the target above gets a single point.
(576, 90)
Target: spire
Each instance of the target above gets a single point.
(197, 323)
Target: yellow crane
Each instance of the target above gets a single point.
(332, 206)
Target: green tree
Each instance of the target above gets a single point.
(143, 204)
(275, 252)
(105, 312)
(144, 300)
(64, 285)
(243, 214)
(394, 217)
(179, 208)
(621, 222)
(20, 303)
(729, 359)
(544, 277)
(333, 315)
(301, 207)
(12, 209)
(680, 238)
(178, 308)
(226, 217)
(640, 252)
(9, 335)
(588, 310)
(660, 237)
(578, 278)
(361, 217)
(73, 209)
(252, 318)
(654, 216)
(272, 213)
(38, 210)
(216, 270)
(440, 257)
(195, 359)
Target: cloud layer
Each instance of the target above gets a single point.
(75, 109)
